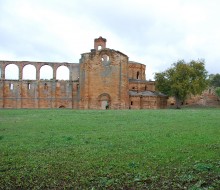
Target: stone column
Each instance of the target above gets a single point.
(20, 67)
(54, 73)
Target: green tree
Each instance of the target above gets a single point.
(182, 79)
(217, 91)
(215, 80)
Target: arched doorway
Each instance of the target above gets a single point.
(104, 101)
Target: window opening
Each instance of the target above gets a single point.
(99, 47)
(131, 102)
(138, 75)
(11, 86)
(105, 60)
(29, 86)
(45, 86)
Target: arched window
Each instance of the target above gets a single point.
(12, 72)
(63, 73)
(105, 60)
(29, 72)
(46, 72)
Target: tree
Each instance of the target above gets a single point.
(217, 91)
(182, 79)
(215, 80)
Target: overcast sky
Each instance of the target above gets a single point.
(156, 33)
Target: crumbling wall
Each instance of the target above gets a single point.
(38, 93)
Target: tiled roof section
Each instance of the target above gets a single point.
(146, 93)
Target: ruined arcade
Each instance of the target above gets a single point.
(103, 79)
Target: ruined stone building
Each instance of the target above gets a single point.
(103, 79)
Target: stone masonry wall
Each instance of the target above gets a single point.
(38, 93)
(104, 73)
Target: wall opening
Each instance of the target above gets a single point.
(131, 103)
(138, 75)
(29, 72)
(105, 101)
(11, 86)
(63, 73)
(145, 88)
(99, 47)
(105, 60)
(12, 72)
(28, 86)
(46, 72)
(45, 86)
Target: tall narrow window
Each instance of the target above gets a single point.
(29, 86)
(11, 86)
(131, 102)
(145, 88)
(138, 75)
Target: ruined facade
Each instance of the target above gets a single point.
(103, 79)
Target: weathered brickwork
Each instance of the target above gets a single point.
(104, 79)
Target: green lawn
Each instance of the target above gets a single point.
(112, 149)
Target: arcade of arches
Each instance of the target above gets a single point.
(103, 79)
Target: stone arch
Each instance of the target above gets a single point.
(29, 72)
(104, 101)
(12, 72)
(63, 73)
(46, 72)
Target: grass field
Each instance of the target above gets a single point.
(126, 149)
